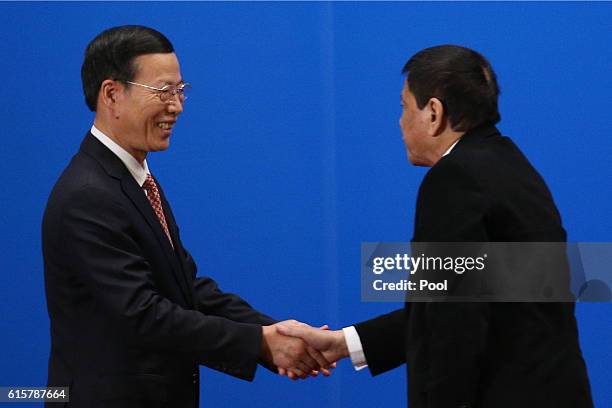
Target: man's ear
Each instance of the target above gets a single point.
(109, 93)
(436, 116)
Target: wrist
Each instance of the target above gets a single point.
(265, 353)
(340, 344)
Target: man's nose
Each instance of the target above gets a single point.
(175, 106)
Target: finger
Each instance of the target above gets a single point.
(314, 373)
(282, 371)
(304, 366)
(299, 372)
(318, 357)
(326, 372)
(307, 359)
(292, 376)
(287, 330)
(293, 330)
(292, 323)
(324, 327)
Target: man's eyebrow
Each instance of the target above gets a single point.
(164, 83)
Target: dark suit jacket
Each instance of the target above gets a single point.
(484, 355)
(130, 321)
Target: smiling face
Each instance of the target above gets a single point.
(143, 123)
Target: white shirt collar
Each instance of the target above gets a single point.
(137, 170)
(451, 147)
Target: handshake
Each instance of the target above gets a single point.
(298, 350)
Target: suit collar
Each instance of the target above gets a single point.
(103, 155)
(477, 135)
(138, 170)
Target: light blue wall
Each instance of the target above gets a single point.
(288, 155)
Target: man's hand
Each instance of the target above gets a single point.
(331, 343)
(292, 375)
(290, 353)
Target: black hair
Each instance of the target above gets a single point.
(461, 78)
(111, 56)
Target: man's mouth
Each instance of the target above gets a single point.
(165, 125)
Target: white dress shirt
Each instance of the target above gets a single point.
(451, 147)
(353, 342)
(137, 170)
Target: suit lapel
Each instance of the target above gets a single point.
(115, 168)
(137, 196)
(172, 227)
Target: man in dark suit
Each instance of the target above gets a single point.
(480, 188)
(130, 321)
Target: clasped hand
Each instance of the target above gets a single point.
(298, 350)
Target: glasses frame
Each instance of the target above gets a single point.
(165, 90)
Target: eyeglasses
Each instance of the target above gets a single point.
(166, 93)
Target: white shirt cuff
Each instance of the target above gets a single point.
(353, 343)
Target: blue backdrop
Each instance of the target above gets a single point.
(289, 155)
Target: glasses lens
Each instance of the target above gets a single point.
(184, 91)
(165, 94)
(181, 92)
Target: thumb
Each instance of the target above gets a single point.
(286, 330)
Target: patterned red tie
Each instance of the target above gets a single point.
(153, 196)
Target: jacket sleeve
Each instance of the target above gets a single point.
(213, 301)
(107, 260)
(383, 341)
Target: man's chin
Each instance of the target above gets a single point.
(161, 146)
(411, 158)
(416, 161)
